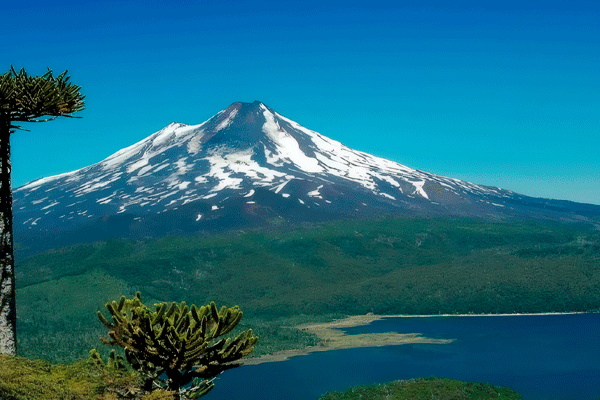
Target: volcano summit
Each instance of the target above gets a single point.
(249, 165)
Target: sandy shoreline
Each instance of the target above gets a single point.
(332, 338)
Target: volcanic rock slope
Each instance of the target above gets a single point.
(248, 165)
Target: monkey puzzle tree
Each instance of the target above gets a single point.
(23, 98)
(176, 347)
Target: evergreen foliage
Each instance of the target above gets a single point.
(426, 389)
(23, 98)
(175, 345)
(27, 98)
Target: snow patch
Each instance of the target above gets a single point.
(182, 166)
(227, 121)
(194, 145)
(223, 166)
(105, 200)
(50, 205)
(145, 169)
(419, 188)
(35, 184)
(136, 165)
(287, 147)
(161, 167)
(315, 193)
(278, 188)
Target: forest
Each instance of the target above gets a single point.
(289, 276)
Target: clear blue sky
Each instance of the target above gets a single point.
(504, 93)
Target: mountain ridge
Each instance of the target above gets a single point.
(245, 165)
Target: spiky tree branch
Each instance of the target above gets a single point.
(26, 98)
(178, 342)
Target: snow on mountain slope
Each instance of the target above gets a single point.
(250, 157)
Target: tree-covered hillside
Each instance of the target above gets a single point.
(298, 274)
(425, 389)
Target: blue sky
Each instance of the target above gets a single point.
(504, 94)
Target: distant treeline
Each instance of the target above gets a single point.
(312, 272)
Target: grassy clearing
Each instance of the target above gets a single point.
(24, 379)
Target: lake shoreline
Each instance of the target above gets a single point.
(539, 356)
(485, 315)
(332, 338)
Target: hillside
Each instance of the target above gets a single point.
(312, 272)
(425, 389)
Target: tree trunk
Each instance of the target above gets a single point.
(8, 312)
(174, 382)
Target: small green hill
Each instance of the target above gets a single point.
(426, 389)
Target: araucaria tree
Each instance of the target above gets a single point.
(176, 347)
(23, 98)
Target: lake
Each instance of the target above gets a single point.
(540, 356)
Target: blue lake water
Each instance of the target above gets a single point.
(541, 357)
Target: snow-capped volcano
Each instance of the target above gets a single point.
(247, 162)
